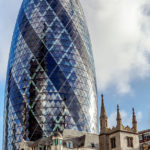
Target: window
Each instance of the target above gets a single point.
(92, 145)
(113, 142)
(147, 136)
(55, 142)
(45, 148)
(69, 144)
(40, 147)
(140, 137)
(130, 141)
(60, 142)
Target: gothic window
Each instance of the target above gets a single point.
(113, 142)
(130, 141)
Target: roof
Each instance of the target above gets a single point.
(144, 131)
(77, 141)
(43, 140)
(57, 135)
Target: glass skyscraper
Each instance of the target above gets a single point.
(51, 77)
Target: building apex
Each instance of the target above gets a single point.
(103, 117)
(117, 107)
(119, 121)
(133, 111)
(103, 111)
(118, 113)
(133, 115)
(134, 121)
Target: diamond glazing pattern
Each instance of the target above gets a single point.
(51, 77)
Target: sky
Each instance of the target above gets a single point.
(120, 35)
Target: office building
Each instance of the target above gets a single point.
(51, 83)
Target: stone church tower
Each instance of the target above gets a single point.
(119, 137)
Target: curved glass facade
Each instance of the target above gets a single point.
(51, 77)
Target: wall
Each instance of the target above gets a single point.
(123, 138)
(117, 136)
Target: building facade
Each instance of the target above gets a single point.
(68, 140)
(144, 137)
(117, 138)
(51, 77)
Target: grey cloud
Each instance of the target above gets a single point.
(120, 36)
(146, 9)
(121, 41)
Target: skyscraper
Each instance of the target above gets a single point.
(51, 77)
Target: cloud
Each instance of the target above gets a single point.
(120, 36)
(126, 118)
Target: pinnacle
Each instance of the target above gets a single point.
(119, 121)
(103, 111)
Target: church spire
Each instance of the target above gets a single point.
(103, 117)
(134, 121)
(119, 120)
(103, 111)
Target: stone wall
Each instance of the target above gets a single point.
(123, 139)
(117, 137)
